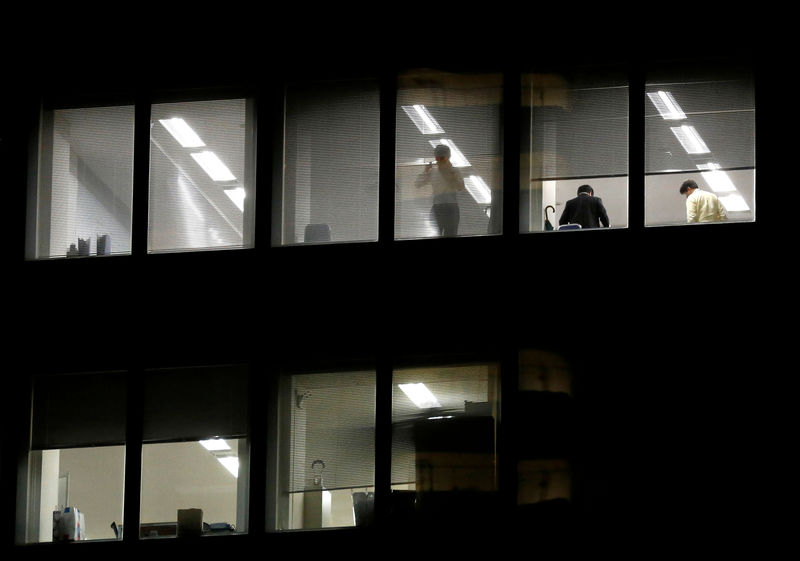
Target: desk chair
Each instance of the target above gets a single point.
(317, 233)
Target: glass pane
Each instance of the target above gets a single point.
(545, 466)
(443, 442)
(330, 168)
(448, 155)
(85, 183)
(193, 488)
(574, 150)
(700, 127)
(201, 176)
(77, 492)
(326, 450)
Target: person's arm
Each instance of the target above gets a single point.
(566, 216)
(691, 210)
(603, 215)
(425, 177)
(721, 214)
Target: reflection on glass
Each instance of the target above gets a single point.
(544, 469)
(448, 155)
(89, 480)
(201, 176)
(574, 152)
(326, 451)
(443, 441)
(85, 183)
(330, 168)
(700, 128)
(205, 475)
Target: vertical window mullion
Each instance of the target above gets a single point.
(511, 153)
(141, 176)
(133, 455)
(258, 383)
(383, 438)
(636, 146)
(386, 177)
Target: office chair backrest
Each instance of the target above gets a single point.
(317, 233)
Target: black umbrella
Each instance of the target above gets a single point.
(547, 224)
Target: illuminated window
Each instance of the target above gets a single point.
(84, 187)
(329, 190)
(448, 155)
(574, 157)
(195, 465)
(201, 176)
(76, 465)
(700, 127)
(326, 451)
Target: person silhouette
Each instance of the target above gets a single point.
(446, 182)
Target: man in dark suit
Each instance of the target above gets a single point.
(585, 209)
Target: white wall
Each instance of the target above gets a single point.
(48, 499)
(612, 190)
(665, 205)
(96, 486)
(175, 475)
(186, 475)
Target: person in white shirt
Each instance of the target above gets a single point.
(701, 206)
(446, 182)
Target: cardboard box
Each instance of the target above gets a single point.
(190, 522)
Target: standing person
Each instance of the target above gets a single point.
(585, 209)
(446, 182)
(701, 206)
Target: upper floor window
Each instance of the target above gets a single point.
(202, 192)
(82, 197)
(574, 153)
(449, 159)
(700, 146)
(329, 184)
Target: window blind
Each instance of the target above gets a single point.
(195, 403)
(77, 410)
(463, 112)
(581, 133)
(331, 143)
(332, 433)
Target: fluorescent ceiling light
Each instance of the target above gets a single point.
(734, 203)
(213, 166)
(690, 139)
(456, 157)
(423, 120)
(420, 395)
(182, 132)
(237, 195)
(215, 444)
(231, 463)
(478, 189)
(666, 105)
(717, 179)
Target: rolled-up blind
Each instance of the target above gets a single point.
(195, 403)
(77, 410)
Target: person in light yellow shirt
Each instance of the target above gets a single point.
(701, 206)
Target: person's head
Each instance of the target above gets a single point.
(688, 187)
(587, 189)
(441, 153)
